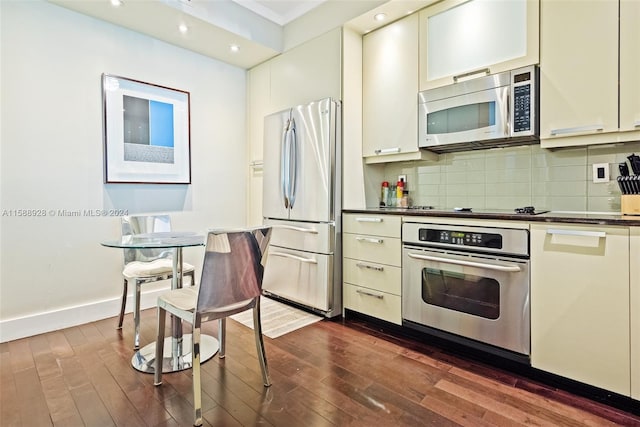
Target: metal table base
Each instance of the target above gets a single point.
(144, 359)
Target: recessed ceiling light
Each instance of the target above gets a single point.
(116, 3)
(183, 28)
(234, 48)
(380, 16)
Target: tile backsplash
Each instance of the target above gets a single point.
(506, 178)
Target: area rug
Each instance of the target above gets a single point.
(277, 318)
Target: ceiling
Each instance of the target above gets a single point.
(261, 29)
(280, 11)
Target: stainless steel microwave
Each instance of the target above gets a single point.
(496, 110)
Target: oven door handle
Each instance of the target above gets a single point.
(511, 268)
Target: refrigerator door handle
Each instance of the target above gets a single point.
(293, 162)
(284, 165)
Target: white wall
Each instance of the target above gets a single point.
(54, 272)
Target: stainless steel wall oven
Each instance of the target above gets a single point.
(472, 283)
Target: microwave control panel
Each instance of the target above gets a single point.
(522, 108)
(523, 93)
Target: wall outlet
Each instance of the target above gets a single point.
(403, 178)
(600, 172)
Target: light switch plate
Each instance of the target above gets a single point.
(600, 172)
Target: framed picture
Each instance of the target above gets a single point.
(146, 132)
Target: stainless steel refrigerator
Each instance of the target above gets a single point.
(302, 200)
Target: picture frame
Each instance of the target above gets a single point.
(146, 132)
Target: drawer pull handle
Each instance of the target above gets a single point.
(369, 219)
(577, 233)
(369, 266)
(383, 151)
(636, 124)
(369, 240)
(291, 227)
(579, 129)
(471, 73)
(370, 294)
(297, 258)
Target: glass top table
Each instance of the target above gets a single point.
(177, 354)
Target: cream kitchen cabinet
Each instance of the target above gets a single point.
(308, 72)
(303, 74)
(580, 316)
(634, 274)
(390, 89)
(580, 100)
(258, 106)
(372, 273)
(630, 67)
(462, 39)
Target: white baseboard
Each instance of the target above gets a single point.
(39, 323)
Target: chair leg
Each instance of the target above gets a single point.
(222, 337)
(157, 374)
(123, 305)
(262, 357)
(193, 278)
(195, 361)
(136, 316)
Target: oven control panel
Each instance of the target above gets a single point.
(461, 238)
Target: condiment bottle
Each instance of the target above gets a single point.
(385, 193)
(399, 191)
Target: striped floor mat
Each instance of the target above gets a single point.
(277, 318)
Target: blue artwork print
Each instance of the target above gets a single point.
(161, 121)
(148, 130)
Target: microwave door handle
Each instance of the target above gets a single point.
(510, 268)
(508, 120)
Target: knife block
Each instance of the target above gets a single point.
(630, 204)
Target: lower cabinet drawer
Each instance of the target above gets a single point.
(373, 303)
(381, 277)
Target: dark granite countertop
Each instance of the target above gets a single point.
(552, 216)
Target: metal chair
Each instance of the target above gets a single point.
(231, 282)
(145, 265)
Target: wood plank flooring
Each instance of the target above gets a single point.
(332, 373)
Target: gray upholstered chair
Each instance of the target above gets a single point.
(231, 282)
(145, 265)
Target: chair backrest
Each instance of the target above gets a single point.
(141, 224)
(233, 267)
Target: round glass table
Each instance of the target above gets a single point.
(177, 347)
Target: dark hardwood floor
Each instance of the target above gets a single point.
(332, 373)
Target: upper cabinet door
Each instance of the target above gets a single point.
(390, 93)
(578, 70)
(462, 39)
(390, 88)
(629, 65)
